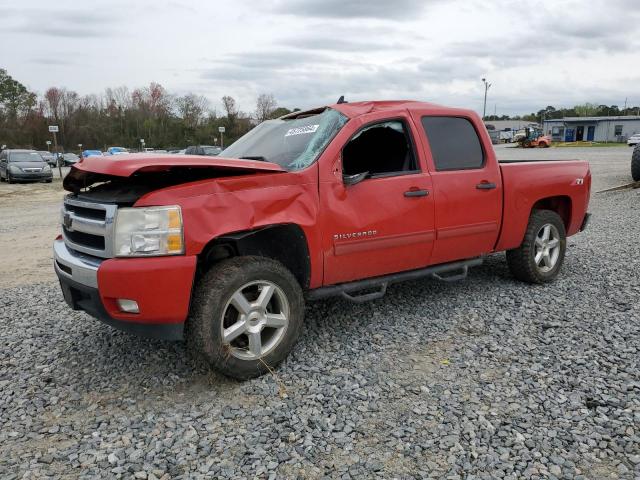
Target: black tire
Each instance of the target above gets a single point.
(9, 179)
(521, 260)
(210, 306)
(635, 163)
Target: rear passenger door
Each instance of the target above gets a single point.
(467, 187)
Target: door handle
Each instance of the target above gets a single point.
(486, 186)
(416, 193)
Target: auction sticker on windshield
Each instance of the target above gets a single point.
(301, 130)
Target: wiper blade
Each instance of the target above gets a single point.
(254, 157)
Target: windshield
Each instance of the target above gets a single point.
(25, 157)
(293, 144)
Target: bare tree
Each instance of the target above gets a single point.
(265, 106)
(53, 101)
(192, 109)
(230, 108)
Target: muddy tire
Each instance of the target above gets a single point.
(635, 163)
(540, 256)
(246, 316)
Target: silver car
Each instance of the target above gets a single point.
(24, 166)
(633, 139)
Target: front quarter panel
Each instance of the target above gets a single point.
(212, 208)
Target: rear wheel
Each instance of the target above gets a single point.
(635, 163)
(540, 256)
(246, 316)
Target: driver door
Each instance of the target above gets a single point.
(384, 223)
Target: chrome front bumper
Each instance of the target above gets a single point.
(75, 266)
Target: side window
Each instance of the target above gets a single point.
(382, 149)
(454, 143)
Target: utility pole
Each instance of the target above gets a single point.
(221, 131)
(486, 87)
(54, 129)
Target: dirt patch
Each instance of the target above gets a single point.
(29, 221)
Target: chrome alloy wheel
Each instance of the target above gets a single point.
(255, 319)
(547, 247)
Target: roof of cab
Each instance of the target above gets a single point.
(355, 109)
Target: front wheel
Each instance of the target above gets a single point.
(9, 179)
(246, 316)
(539, 258)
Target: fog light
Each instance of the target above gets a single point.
(128, 306)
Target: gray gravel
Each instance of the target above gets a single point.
(487, 378)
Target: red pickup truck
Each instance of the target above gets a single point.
(338, 201)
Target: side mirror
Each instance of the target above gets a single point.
(354, 179)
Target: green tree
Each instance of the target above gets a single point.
(14, 97)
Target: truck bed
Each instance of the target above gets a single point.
(567, 182)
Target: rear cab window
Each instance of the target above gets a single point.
(454, 143)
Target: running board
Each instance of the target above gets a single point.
(448, 272)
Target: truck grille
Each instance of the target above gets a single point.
(87, 227)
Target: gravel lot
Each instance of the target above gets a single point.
(487, 378)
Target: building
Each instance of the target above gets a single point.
(592, 129)
(508, 125)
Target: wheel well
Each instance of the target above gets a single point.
(560, 204)
(285, 243)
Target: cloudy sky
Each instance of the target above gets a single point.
(307, 52)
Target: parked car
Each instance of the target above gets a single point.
(116, 150)
(338, 201)
(91, 153)
(633, 140)
(48, 157)
(209, 150)
(70, 159)
(24, 166)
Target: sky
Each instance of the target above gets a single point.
(308, 53)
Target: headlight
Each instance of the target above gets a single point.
(150, 231)
(14, 169)
(46, 168)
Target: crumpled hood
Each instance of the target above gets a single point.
(91, 170)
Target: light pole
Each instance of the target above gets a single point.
(486, 87)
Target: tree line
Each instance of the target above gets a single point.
(584, 110)
(122, 117)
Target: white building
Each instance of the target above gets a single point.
(592, 129)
